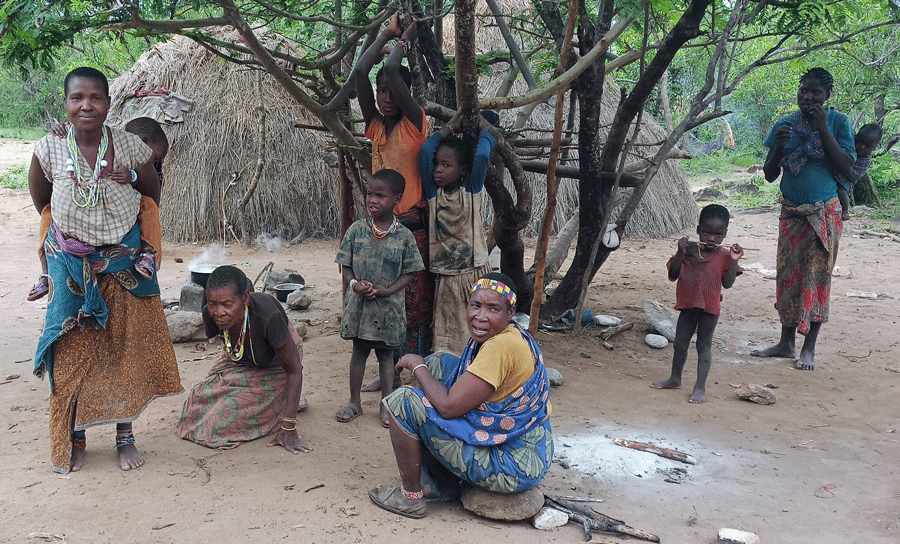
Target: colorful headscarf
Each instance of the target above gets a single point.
(499, 287)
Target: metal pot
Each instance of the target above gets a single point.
(200, 273)
(282, 290)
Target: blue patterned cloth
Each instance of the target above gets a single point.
(75, 296)
(812, 149)
(504, 447)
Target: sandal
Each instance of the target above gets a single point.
(40, 289)
(392, 500)
(146, 265)
(348, 413)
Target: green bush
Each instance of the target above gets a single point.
(15, 177)
(885, 174)
(23, 133)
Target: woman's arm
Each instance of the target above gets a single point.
(772, 166)
(467, 393)
(840, 160)
(402, 95)
(290, 356)
(364, 65)
(38, 185)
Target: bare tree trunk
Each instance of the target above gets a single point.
(664, 98)
(596, 196)
(552, 180)
(260, 164)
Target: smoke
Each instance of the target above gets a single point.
(269, 242)
(214, 254)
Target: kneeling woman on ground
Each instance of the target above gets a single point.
(255, 388)
(483, 418)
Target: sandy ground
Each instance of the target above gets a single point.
(820, 465)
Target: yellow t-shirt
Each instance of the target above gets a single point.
(505, 362)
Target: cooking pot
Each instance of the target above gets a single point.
(200, 273)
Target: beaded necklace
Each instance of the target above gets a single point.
(86, 194)
(378, 233)
(239, 354)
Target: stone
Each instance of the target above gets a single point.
(185, 326)
(607, 320)
(656, 341)
(744, 188)
(661, 318)
(301, 329)
(549, 518)
(282, 275)
(756, 393)
(298, 301)
(707, 194)
(193, 297)
(734, 536)
(555, 377)
(515, 507)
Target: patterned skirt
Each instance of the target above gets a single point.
(511, 467)
(236, 403)
(109, 375)
(807, 251)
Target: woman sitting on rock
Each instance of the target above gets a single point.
(483, 418)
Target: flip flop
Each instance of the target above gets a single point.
(392, 500)
(348, 413)
(40, 288)
(146, 265)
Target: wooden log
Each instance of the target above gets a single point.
(612, 331)
(885, 235)
(675, 455)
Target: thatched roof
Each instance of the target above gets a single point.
(218, 138)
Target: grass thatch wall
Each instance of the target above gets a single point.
(296, 195)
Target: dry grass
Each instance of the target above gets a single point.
(296, 195)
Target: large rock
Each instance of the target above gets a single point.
(555, 377)
(607, 320)
(549, 518)
(185, 326)
(282, 275)
(756, 393)
(502, 507)
(193, 297)
(661, 318)
(734, 536)
(298, 301)
(708, 194)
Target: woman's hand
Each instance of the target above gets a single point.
(408, 362)
(783, 135)
(290, 441)
(817, 118)
(60, 130)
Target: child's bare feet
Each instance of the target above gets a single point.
(671, 383)
(806, 361)
(778, 350)
(698, 396)
(375, 385)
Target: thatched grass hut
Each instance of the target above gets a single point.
(219, 137)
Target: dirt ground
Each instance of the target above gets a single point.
(820, 465)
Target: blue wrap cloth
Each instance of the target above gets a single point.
(74, 294)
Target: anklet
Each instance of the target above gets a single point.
(124, 439)
(79, 440)
(413, 495)
(294, 428)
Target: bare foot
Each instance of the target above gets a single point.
(77, 459)
(671, 383)
(375, 385)
(806, 361)
(778, 350)
(698, 396)
(129, 457)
